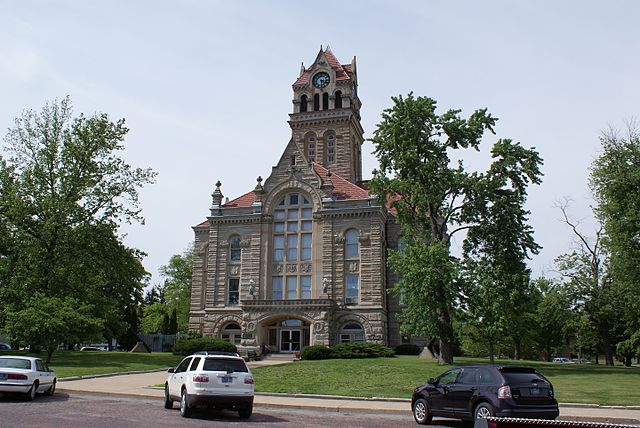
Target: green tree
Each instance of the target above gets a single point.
(63, 194)
(553, 316)
(177, 286)
(435, 198)
(153, 318)
(615, 182)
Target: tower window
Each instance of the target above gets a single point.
(234, 249)
(338, 100)
(303, 103)
(331, 148)
(316, 102)
(311, 149)
(325, 101)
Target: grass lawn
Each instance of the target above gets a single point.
(76, 363)
(397, 377)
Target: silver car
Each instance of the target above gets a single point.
(26, 375)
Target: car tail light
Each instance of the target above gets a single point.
(200, 378)
(16, 376)
(248, 381)
(504, 392)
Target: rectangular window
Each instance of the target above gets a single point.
(292, 214)
(293, 199)
(306, 247)
(353, 288)
(306, 225)
(278, 227)
(292, 226)
(278, 248)
(234, 291)
(279, 215)
(292, 248)
(351, 250)
(307, 212)
(292, 287)
(277, 288)
(305, 286)
(330, 151)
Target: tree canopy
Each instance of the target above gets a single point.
(433, 198)
(64, 191)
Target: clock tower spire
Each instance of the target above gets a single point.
(325, 122)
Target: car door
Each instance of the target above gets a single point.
(440, 399)
(43, 376)
(462, 391)
(178, 377)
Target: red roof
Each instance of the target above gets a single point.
(342, 70)
(342, 189)
(245, 200)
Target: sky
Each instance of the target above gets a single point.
(205, 86)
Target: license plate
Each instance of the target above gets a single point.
(226, 379)
(535, 391)
(3, 376)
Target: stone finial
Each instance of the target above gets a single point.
(217, 196)
(252, 287)
(325, 285)
(258, 191)
(302, 70)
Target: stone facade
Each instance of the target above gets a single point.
(300, 259)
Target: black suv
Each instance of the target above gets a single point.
(480, 391)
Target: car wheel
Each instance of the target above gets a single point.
(168, 402)
(245, 412)
(51, 389)
(483, 411)
(185, 410)
(31, 393)
(421, 412)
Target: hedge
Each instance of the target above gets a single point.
(346, 351)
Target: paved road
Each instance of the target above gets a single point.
(78, 410)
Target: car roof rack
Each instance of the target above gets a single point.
(219, 353)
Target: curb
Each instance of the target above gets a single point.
(70, 378)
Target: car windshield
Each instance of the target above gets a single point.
(224, 365)
(15, 363)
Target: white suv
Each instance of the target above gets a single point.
(218, 380)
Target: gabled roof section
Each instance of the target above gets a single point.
(342, 189)
(342, 70)
(243, 201)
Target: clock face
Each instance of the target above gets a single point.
(321, 80)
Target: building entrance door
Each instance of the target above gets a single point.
(290, 340)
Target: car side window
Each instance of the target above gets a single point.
(183, 365)
(194, 364)
(486, 377)
(447, 378)
(467, 377)
(39, 366)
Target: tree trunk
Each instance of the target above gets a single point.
(517, 344)
(491, 351)
(608, 349)
(627, 361)
(597, 360)
(446, 352)
(50, 350)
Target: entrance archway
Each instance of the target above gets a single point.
(286, 335)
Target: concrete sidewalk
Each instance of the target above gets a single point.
(141, 385)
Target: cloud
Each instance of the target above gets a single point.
(18, 62)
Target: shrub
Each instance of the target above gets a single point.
(407, 349)
(191, 345)
(315, 352)
(361, 350)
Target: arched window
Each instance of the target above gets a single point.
(338, 99)
(351, 332)
(316, 102)
(351, 244)
(325, 101)
(292, 239)
(303, 103)
(234, 249)
(231, 333)
(330, 145)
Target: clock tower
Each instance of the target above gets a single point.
(325, 122)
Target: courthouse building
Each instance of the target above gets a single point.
(300, 259)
